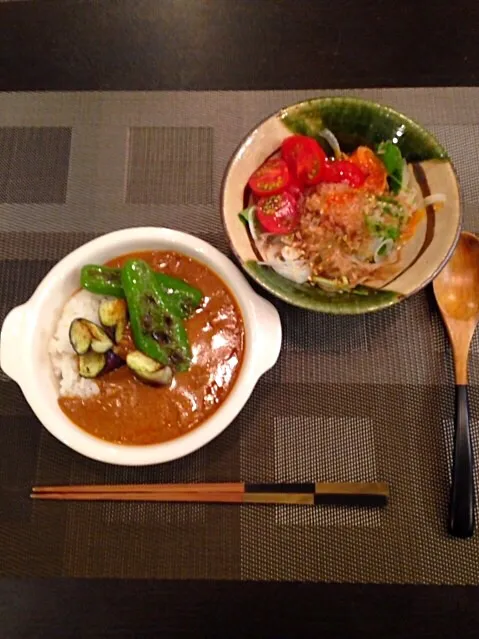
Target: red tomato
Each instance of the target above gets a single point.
(304, 157)
(295, 187)
(271, 177)
(278, 213)
(343, 171)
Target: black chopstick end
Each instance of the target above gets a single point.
(373, 501)
(302, 488)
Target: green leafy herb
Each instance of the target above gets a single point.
(379, 229)
(390, 206)
(386, 198)
(374, 226)
(391, 232)
(336, 286)
(244, 215)
(393, 161)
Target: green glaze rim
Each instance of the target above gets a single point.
(328, 108)
(315, 299)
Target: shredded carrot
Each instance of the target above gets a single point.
(412, 224)
(371, 165)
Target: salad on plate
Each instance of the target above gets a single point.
(334, 220)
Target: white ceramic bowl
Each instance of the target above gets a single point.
(27, 330)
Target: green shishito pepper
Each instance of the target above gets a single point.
(104, 280)
(158, 330)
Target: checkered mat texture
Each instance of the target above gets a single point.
(360, 398)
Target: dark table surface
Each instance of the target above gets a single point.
(235, 44)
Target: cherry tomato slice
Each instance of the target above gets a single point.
(278, 213)
(270, 178)
(295, 187)
(373, 168)
(344, 172)
(305, 158)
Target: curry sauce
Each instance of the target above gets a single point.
(129, 411)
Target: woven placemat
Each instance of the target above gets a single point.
(360, 398)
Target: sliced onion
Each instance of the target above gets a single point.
(295, 270)
(269, 246)
(332, 286)
(332, 140)
(275, 253)
(388, 245)
(435, 198)
(410, 198)
(405, 176)
(289, 253)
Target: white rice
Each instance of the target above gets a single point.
(64, 361)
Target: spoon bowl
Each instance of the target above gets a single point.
(457, 286)
(457, 293)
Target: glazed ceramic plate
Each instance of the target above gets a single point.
(354, 122)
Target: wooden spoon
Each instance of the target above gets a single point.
(457, 293)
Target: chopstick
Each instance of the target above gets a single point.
(310, 494)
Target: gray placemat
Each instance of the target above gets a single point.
(360, 398)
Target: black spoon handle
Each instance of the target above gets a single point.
(461, 505)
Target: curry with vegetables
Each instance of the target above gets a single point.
(165, 352)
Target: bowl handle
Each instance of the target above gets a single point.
(10, 340)
(269, 334)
